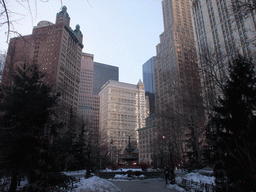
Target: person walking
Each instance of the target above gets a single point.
(172, 176)
(166, 172)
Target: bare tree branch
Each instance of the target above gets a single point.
(7, 18)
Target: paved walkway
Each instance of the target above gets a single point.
(148, 185)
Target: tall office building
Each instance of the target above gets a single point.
(93, 76)
(177, 83)
(122, 113)
(88, 104)
(102, 73)
(148, 75)
(57, 49)
(221, 32)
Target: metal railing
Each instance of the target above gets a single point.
(198, 187)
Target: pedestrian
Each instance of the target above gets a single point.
(172, 176)
(166, 172)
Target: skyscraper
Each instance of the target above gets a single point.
(221, 32)
(102, 73)
(177, 83)
(122, 113)
(148, 75)
(57, 49)
(88, 104)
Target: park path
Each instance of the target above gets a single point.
(148, 185)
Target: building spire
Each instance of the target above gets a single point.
(63, 17)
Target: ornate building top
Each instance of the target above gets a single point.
(63, 17)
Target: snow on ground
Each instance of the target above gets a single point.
(102, 185)
(175, 187)
(197, 177)
(119, 176)
(5, 183)
(206, 171)
(121, 170)
(96, 184)
(70, 173)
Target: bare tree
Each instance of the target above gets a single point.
(6, 14)
(183, 101)
(244, 8)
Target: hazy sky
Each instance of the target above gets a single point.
(123, 33)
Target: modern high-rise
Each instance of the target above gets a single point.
(176, 77)
(88, 104)
(148, 75)
(221, 32)
(122, 113)
(57, 50)
(102, 73)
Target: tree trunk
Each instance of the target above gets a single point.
(13, 185)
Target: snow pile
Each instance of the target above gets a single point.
(71, 173)
(151, 170)
(206, 171)
(6, 181)
(197, 177)
(96, 184)
(175, 187)
(119, 176)
(121, 170)
(181, 171)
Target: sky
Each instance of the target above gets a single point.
(122, 33)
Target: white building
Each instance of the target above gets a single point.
(122, 113)
(147, 140)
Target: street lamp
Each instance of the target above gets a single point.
(161, 155)
(172, 175)
(88, 171)
(171, 151)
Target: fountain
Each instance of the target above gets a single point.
(129, 158)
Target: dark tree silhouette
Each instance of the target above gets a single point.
(26, 108)
(236, 126)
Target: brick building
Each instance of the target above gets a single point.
(57, 49)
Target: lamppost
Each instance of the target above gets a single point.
(161, 155)
(88, 171)
(111, 150)
(171, 151)
(172, 175)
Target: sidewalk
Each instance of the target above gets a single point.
(149, 185)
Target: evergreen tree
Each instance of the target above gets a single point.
(236, 130)
(25, 111)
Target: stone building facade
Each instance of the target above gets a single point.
(122, 113)
(147, 139)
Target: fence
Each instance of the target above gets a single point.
(198, 187)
